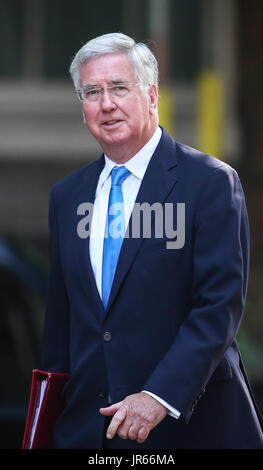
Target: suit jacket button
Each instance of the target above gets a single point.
(107, 336)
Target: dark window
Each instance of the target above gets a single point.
(11, 19)
(68, 25)
(185, 39)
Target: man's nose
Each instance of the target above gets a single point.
(107, 102)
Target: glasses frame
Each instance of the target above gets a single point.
(101, 89)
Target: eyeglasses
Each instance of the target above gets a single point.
(92, 94)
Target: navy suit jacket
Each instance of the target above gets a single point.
(172, 316)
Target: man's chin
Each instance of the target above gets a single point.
(114, 140)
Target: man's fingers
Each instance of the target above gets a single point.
(142, 434)
(110, 410)
(133, 432)
(134, 417)
(116, 421)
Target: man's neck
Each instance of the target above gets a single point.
(120, 154)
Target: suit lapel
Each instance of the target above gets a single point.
(157, 183)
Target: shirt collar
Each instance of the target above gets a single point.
(137, 165)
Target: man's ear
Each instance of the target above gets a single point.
(84, 117)
(153, 96)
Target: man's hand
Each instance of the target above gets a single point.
(134, 417)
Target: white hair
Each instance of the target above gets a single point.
(142, 59)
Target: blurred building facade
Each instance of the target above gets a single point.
(211, 75)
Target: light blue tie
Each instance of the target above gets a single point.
(114, 231)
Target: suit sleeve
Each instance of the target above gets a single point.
(56, 328)
(219, 285)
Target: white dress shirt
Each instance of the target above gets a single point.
(137, 166)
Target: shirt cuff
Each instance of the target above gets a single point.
(171, 410)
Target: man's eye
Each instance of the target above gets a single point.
(120, 90)
(92, 92)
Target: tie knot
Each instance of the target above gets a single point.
(118, 175)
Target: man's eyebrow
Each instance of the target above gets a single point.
(91, 85)
(118, 81)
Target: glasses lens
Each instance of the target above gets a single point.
(93, 94)
(119, 90)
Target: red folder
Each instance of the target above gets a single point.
(45, 405)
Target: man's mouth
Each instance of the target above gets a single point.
(111, 123)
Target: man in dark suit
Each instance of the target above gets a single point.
(146, 323)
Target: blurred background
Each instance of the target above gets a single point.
(211, 97)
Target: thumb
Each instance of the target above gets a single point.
(110, 410)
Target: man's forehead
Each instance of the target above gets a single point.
(108, 68)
